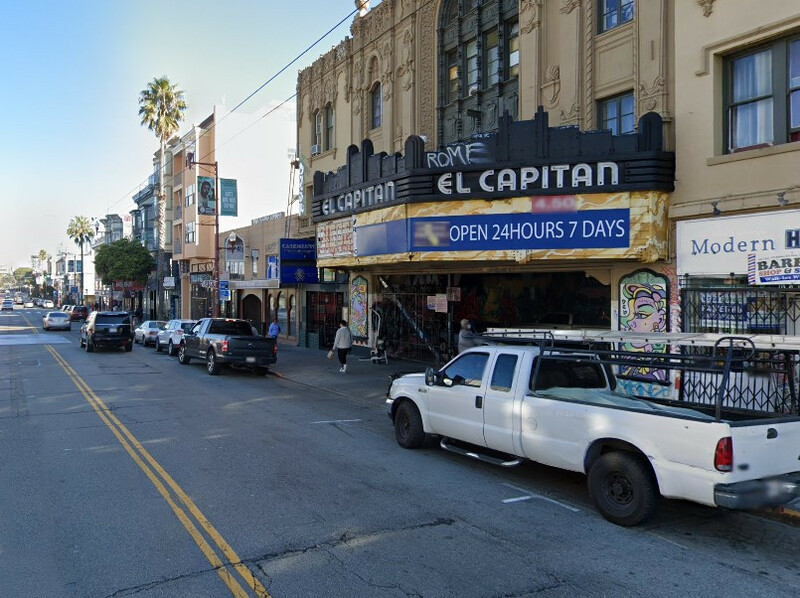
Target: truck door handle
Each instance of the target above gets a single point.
(478, 402)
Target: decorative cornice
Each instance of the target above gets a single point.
(707, 6)
(567, 6)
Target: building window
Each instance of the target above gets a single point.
(617, 114)
(478, 50)
(452, 76)
(191, 233)
(317, 138)
(513, 50)
(189, 195)
(377, 107)
(615, 13)
(472, 66)
(763, 96)
(329, 131)
(492, 44)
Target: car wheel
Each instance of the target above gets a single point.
(408, 426)
(159, 348)
(212, 365)
(89, 345)
(183, 358)
(170, 348)
(623, 488)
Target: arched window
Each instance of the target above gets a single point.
(329, 130)
(478, 66)
(377, 106)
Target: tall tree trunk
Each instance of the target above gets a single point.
(80, 291)
(160, 234)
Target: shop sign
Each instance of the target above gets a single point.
(580, 230)
(199, 277)
(335, 238)
(773, 268)
(127, 285)
(722, 245)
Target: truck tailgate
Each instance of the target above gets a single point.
(765, 449)
(258, 346)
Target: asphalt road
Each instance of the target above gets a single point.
(127, 474)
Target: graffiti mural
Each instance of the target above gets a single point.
(358, 307)
(644, 307)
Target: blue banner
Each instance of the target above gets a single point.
(590, 229)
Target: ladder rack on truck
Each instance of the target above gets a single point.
(755, 354)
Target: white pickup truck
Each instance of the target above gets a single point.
(559, 407)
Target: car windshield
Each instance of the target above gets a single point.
(155, 324)
(187, 326)
(56, 315)
(231, 327)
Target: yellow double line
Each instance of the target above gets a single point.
(180, 503)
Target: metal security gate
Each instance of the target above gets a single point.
(411, 330)
(764, 384)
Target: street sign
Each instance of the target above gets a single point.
(208, 283)
(224, 290)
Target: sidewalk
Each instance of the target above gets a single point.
(363, 379)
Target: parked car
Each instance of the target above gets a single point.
(78, 313)
(28, 304)
(8, 305)
(222, 342)
(47, 304)
(56, 320)
(147, 332)
(170, 336)
(107, 329)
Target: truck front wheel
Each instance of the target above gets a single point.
(408, 426)
(623, 488)
(183, 358)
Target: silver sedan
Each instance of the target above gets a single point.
(56, 320)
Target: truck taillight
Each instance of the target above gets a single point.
(224, 346)
(723, 456)
(275, 350)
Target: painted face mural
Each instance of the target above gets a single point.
(643, 308)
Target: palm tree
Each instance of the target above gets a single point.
(80, 230)
(162, 108)
(43, 258)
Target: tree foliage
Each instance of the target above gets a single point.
(161, 107)
(21, 274)
(123, 260)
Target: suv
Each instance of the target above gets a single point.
(78, 313)
(107, 329)
(170, 336)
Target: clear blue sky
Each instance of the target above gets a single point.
(71, 73)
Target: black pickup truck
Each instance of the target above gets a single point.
(226, 342)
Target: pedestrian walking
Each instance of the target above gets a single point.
(274, 329)
(342, 343)
(466, 337)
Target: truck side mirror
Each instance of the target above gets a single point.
(430, 377)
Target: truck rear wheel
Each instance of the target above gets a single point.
(212, 365)
(408, 426)
(623, 488)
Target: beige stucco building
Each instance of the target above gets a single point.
(736, 205)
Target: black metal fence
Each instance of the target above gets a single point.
(769, 381)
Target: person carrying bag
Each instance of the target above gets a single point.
(342, 343)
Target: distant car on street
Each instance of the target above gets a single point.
(28, 303)
(170, 336)
(8, 305)
(56, 320)
(78, 313)
(147, 332)
(47, 304)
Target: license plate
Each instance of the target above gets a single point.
(251, 360)
(112, 330)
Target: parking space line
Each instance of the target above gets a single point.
(529, 495)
